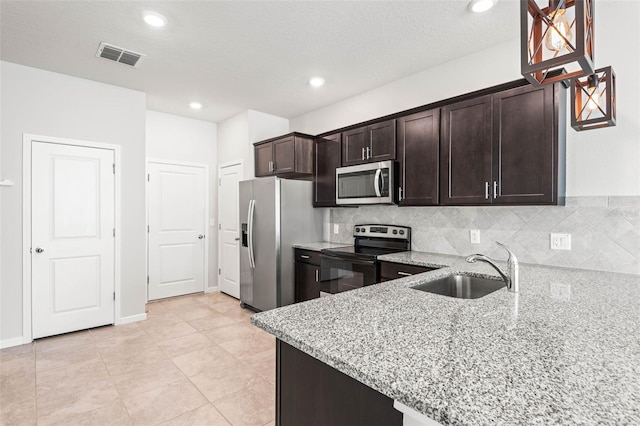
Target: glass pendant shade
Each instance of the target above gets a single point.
(558, 37)
(593, 100)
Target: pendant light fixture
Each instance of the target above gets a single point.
(556, 37)
(593, 100)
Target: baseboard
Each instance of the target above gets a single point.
(131, 318)
(211, 289)
(14, 341)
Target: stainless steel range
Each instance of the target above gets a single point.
(348, 268)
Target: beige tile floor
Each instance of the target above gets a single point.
(196, 360)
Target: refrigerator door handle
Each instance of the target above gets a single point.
(376, 182)
(252, 205)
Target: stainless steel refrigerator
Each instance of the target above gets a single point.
(274, 214)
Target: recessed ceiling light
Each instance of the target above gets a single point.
(195, 105)
(154, 19)
(316, 81)
(479, 6)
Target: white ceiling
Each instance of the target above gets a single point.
(239, 55)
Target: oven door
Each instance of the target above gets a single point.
(365, 184)
(338, 274)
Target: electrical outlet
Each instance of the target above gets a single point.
(560, 241)
(560, 291)
(474, 236)
(336, 228)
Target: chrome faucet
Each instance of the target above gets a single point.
(510, 277)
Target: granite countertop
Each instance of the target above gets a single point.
(318, 246)
(565, 350)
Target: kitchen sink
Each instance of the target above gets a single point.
(461, 286)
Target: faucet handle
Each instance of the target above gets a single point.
(512, 255)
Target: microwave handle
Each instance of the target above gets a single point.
(376, 182)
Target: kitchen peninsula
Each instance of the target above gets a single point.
(565, 350)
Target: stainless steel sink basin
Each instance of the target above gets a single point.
(461, 286)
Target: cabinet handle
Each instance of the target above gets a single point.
(273, 166)
(304, 256)
(404, 274)
(486, 190)
(495, 189)
(317, 276)
(270, 167)
(363, 153)
(399, 194)
(368, 152)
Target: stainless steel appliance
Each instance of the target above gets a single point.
(371, 183)
(274, 214)
(347, 268)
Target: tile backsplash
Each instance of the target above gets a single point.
(605, 231)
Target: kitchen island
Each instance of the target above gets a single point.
(565, 350)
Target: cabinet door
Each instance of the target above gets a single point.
(524, 147)
(327, 159)
(418, 145)
(307, 281)
(284, 155)
(465, 152)
(263, 158)
(382, 141)
(354, 143)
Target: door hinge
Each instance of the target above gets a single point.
(219, 226)
(114, 295)
(148, 177)
(219, 271)
(147, 229)
(220, 182)
(114, 168)
(147, 279)
(114, 232)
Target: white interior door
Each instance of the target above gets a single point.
(73, 243)
(177, 212)
(229, 232)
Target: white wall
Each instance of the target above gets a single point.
(233, 142)
(174, 138)
(599, 162)
(51, 104)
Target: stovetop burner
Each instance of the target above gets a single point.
(372, 241)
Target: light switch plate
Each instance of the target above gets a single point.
(474, 236)
(560, 241)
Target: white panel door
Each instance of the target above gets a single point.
(229, 235)
(73, 243)
(177, 203)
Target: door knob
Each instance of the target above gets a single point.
(39, 249)
(201, 236)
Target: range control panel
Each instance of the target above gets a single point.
(382, 231)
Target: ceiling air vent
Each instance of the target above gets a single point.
(118, 54)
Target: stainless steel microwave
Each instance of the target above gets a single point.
(365, 184)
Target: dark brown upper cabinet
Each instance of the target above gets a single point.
(287, 156)
(501, 149)
(525, 162)
(465, 152)
(367, 144)
(327, 160)
(418, 146)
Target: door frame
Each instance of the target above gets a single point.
(27, 141)
(220, 167)
(205, 281)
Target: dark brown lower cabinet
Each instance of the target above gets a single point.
(307, 275)
(311, 393)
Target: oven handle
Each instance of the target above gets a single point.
(344, 259)
(376, 182)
